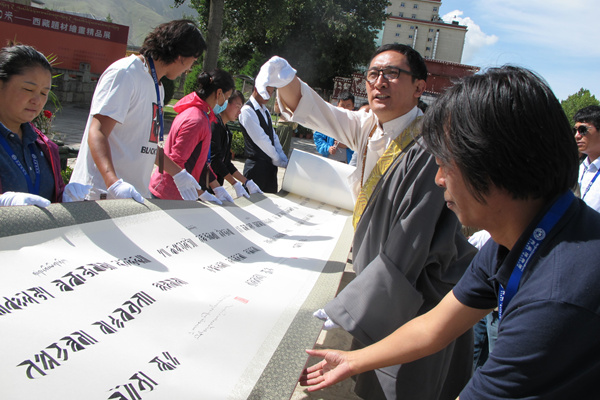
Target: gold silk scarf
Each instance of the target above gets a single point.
(397, 148)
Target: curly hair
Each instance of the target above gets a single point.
(173, 39)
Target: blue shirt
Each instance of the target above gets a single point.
(11, 176)
(548, 344)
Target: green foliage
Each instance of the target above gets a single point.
(237, 143)
(253, 65)
(66, 174)
(577, 101)
(320, 38)
(190, 80)
(169, 86)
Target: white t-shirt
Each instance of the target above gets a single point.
(590, 191)
(127, 94)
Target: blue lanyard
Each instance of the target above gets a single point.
(31, 187)
(158, 102)
(161, 140)
(589, 186)
(555, 213)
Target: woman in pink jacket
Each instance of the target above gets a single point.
(188, 143)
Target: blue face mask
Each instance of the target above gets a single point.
(219, 109)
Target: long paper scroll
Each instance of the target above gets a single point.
(166, 300)
(319, 178)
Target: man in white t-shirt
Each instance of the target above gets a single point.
(587, 136)
(120, 144)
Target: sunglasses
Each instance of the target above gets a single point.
(581, 129)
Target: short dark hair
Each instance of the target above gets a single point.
(208, 83)
(415, 61)
(346, 95)
(589, 115)
(236, 94)
(173, 39)
(504, 128)
(16, 59)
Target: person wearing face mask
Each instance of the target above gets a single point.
(220, 150)
(188, 143)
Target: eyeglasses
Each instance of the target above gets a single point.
(389, 73)
(581, 129)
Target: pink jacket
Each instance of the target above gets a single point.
(187, 144)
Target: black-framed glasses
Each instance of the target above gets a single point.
(581, 129)
(389, 73)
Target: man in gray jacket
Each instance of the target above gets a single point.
(408, 248)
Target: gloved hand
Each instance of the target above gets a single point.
(282, 163)
(222, 194)
(22, 199)
(322, 315)
(276, 72)
(209, 197)
(252, 187)
(187, 185)
(124, 190)
(75, 192)
(240, 191)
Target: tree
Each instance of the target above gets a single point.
(320, 38)
(212, 11)
(215, 26)
(577, 101)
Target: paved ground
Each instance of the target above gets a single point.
(70, 123)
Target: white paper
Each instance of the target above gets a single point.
(319, 178)
(163, 305)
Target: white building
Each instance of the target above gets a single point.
(417, 24)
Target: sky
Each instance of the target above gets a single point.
(557, 39)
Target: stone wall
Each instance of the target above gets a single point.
(74, 86)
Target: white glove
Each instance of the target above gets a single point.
(75, 192)
(252, 187)
(187, 185)
(282, 163)
(222, 194)
(22, 199)
(322, 315)
(239, 190)
(124, 190)
(209, 197)
(276, 72)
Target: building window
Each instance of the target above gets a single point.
(401, 14)
(427, 48)
(410, 36)
(416, 6)
(397, 34)
(402, 4)
(412, 27)
(399, 25)
(430, 30)
(414, 16)
(435, 9)
(429, 39)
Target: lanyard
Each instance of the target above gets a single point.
(161, 140)
(537, 237)
(31, 187)
(589, 186)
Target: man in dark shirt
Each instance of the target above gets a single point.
(495, 136)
